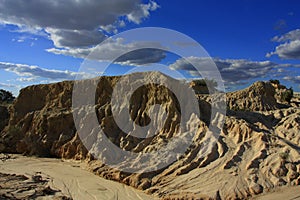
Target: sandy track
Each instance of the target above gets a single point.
(70, 178)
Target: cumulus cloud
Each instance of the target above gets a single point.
(73, 23)
(142, 12)
(132, 53)
(31, 72)
(290, 47)
(75, 38)
(68, 14)
(233, 71)
(141, 57)
(292, 35)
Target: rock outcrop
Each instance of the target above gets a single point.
(40, 119)
(22, 187)
(255, 153)
(257, 149)
(258, 97)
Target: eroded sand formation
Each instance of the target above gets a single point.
(258, 148)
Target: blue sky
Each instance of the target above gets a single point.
(250, 40)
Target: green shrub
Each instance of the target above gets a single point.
(204, 86)
(6, 96)
(287, 95)
(205, 82)
(275, 81)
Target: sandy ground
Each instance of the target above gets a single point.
(41, 178)
(66, 179)
(284, 193)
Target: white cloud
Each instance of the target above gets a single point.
(142, 12)
(29, 79)
(73, 23)
(67, 14)
(32, 72)
(14, 88)
(233, 71)
(290, 47)
(77, 26)
(111, 48)
(24, 38)
(5, 85)
(292, 35)
(75, 38)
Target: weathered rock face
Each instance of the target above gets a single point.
(257, 97)
(256, 151)
(142, 105)
(40, 119)
(42, 122)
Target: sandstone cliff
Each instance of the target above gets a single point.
(257, 150)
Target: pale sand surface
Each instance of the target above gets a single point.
(284, 193)
(70, 178)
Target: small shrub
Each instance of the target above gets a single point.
(275, 81)
(6, 96)
(204, 86)
(287, 95)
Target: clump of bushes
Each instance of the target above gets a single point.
(204, 86)
(287, 95)
(206, 82)
(275, 81)
(6, 96)
(282, 93)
